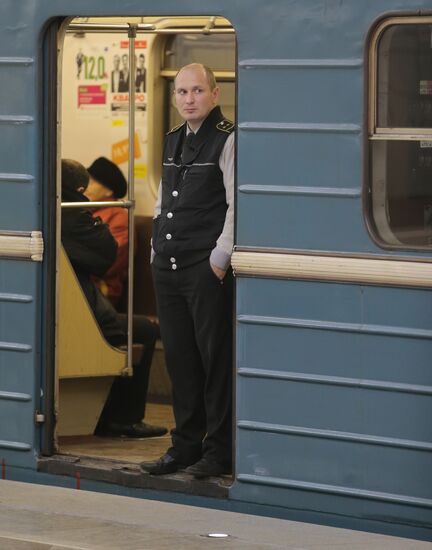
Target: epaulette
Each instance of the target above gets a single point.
(225, 125)
(176, 128)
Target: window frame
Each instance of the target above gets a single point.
(378, 133)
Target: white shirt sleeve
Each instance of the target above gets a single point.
(158, 204)
(221, 254)
(157, 211)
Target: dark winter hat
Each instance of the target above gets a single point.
(109, 174)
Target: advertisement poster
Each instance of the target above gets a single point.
(95, 102)
(102, 74)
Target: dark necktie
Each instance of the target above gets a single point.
(188, 150)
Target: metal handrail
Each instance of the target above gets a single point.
(131, 191)
(145, 28)
(108, 27)
(98, 204)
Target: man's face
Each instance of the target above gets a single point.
(116, 62)
(141, 60)
(193, 97)
(125, 62)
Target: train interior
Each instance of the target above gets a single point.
(95, 122)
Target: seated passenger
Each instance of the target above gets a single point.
(91, 250)
(107, 183)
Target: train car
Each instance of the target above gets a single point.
(332, 102)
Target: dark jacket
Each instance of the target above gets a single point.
(91, 250)
(194, 203)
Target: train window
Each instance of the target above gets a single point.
(217, 51)
(400, 132)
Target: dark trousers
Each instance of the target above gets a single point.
(127, 399)
(195, 317)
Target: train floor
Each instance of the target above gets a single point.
(127, 450)
(116, 460)
(34, 517)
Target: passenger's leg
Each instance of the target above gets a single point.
(125, 406)
(130, 395)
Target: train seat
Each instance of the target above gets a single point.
(87, 364)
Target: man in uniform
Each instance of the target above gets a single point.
(192, 243)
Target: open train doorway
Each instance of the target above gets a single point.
(116, 80)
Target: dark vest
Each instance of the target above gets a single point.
(193, 194)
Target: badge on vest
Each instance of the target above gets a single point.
(176, 128)
(225, 125)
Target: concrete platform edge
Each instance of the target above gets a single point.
(26, 475)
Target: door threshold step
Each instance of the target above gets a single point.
(129, 474)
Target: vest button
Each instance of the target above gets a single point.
(170, 215)
(174, 266)
(173, 260)
(175, 193)
(168, 236)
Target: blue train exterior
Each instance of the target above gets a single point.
(333, 377)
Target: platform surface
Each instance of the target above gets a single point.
(35, 517)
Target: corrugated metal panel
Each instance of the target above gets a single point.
(302, 146)
(19, 291)
(18, 353)
(335, 399)
(333, 380)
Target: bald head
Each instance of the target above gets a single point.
(199, 67)
(195, 93)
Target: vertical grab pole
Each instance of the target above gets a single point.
(131, 193)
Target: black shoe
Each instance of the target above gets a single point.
(166, 464)
(137, 431)
(206, 468)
